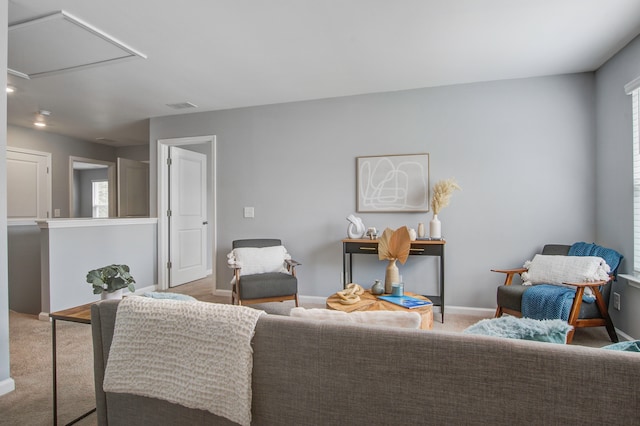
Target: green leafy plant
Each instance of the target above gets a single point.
(111, 278)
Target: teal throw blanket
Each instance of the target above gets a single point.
(552, 331)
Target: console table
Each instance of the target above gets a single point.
(418, 248)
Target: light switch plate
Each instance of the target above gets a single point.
(248, 212)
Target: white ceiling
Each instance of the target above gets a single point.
(220, 54)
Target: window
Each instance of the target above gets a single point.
(100, 198)
(635, 96)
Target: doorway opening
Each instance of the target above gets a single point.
(82, 173)
(166, 244)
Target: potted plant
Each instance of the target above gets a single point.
(110, 280)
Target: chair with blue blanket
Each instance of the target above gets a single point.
(581, 304)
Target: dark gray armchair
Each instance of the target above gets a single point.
(264, 287)
(509, 297)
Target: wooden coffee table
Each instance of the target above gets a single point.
(369, 302)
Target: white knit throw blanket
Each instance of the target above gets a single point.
(194, 354)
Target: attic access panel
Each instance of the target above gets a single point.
(59, 43)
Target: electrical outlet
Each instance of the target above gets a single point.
(249, 212)
(616, 301)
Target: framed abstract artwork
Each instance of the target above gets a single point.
(392, 183)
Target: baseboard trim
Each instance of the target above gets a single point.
(44, 316)
(218, 292)
(7, 385)
(624, 335)
(466, 310)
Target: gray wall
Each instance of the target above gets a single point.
(72, 249)
(614, 171)
(6, 383)
(522, 150)
(24, 268)
(135, 152)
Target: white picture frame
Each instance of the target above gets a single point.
(392, 183)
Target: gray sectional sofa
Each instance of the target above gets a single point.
(313, 373)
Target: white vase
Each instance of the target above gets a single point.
(434, 227)
(114, 295)
(421, 231)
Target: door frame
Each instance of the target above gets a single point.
(163, 203)
(111, 178)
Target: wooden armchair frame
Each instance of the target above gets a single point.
(575, 307)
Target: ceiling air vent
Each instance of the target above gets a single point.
(182, 105)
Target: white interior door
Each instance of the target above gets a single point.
(28, 184)
(188, 216)
(133, 188)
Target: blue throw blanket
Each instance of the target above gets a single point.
(546, 301)
(610, 256)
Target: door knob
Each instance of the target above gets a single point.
(205, 223)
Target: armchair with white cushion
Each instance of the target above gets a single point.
(263, 271)
(587, 269)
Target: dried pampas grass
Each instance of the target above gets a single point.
(442, 191)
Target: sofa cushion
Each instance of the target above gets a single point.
(385, 318)
(278, 284)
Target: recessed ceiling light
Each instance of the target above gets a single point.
(10, 89)
(40, 124)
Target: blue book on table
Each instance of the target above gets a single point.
(406, 301)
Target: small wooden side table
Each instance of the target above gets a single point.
(80, 314)
(369, 302)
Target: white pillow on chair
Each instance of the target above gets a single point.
(545, 269)
(259, 260)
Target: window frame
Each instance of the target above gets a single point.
(95, 202)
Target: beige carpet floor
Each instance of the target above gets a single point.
(30, 340)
